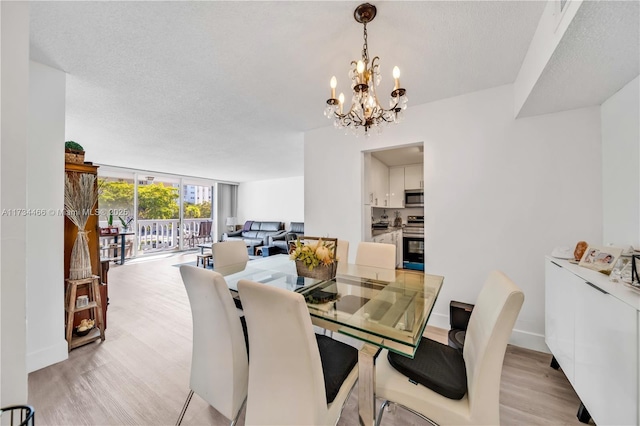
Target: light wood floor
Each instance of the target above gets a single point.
(140, 373)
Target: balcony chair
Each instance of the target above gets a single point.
(204, 234)
(446, 386)
(219, 361)
(295, 377)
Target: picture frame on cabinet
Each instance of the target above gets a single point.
(601, 259)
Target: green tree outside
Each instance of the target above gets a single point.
(155, 201)
(115, 196)
(191, 211)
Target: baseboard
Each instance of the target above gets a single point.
(523, 339)
(47, 356)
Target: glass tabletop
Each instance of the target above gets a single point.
(387, 308)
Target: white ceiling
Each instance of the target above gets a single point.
(598, 55)
(401, 156)
(226, 89)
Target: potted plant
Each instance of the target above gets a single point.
(315, 257)
(73, 152)
(125, 223)
(107, 230)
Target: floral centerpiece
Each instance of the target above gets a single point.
(315, 257)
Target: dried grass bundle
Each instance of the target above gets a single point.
(79, 198)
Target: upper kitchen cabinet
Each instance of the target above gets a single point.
(380, 179)
(396, 187)
(414, 176)
(388, 173)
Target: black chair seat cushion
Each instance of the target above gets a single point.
(338, 359)
(439, 367)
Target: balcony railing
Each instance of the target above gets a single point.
(156, 235)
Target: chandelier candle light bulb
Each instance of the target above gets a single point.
(365, 111)
(396, 76)
(333, 84)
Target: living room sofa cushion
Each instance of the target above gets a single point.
(281, 241)
(258, 233)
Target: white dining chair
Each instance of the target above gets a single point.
(342, 252)
(444, 386)
(219, 360)
(228, 253)
(380, 256)
(295, 377)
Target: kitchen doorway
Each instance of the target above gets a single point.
(394, 207)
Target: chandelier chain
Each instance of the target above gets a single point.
(365, 50)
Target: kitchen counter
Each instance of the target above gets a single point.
(375, 232)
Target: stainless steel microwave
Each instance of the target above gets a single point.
(414, 198)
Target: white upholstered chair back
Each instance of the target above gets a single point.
(378, 255)
(227, 253)
(342, 251)
(286, 384)
(219, 362)
(488, 332)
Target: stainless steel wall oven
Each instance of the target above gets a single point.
(413, 243)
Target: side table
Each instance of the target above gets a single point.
(266, 251)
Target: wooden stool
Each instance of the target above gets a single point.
(204, 259)
(95, 305)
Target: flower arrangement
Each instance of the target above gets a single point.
(79, 198)
(312, 254)
(125, 222)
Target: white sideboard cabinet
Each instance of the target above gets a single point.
(592, 329)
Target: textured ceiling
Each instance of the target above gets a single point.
(400, 156)
(226, 89)
(598, 55)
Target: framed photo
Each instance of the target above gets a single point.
(600, 258)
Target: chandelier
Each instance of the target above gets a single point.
(366, 111)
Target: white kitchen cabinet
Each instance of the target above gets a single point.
(414, 176)
(380, 180)
(398, 248)
(368, 179)
(396, 187)
(382, 238)
(592, 329)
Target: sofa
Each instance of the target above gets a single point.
(281, 241)
(255, 234)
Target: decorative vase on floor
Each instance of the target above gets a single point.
(79, 198)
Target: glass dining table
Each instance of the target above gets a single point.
(381, 308)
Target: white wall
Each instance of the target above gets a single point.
(46, 343)
(499, 192)
(272, 200)
(13, 161)
(621, 166)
